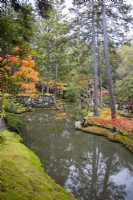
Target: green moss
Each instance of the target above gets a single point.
(14, 107)
(10, 104)
(22, 175)
(113, 136)
(13, 123)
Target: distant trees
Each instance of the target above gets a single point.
(109, 23)
(74, 52)
(51, 45)
(124, 83)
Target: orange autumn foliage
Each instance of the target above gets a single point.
(26, 77)
(10, 59)
(20, 71)
(59, 85)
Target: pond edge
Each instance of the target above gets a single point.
(110, 135)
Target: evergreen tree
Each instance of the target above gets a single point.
(117, 18)
(50, 42)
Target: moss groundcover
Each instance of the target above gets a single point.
(22, 175)
(118, 130)
(113, 136)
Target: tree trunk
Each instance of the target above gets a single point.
(101, 92)
(56, 77)
(42, 86)
(1, 103)
(95, 59)
(107, 61)
(48, 57)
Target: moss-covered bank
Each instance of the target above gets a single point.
(113, 136)
(23, 177)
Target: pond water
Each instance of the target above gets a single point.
(88, 166)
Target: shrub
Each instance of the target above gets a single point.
(13, 123)
(11, 107)
(71, 94)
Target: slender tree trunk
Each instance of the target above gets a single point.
(56, 78)
(107, 61)
(42, 86)
(1, 103)
(48, 71)
(101, 92)
(48, 58)
(56, 66)
(100, 72)
(95, 59)
(81, 101)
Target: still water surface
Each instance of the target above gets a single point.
(89, 166)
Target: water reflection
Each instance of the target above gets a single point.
(88, 166)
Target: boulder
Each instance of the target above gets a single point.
(78, 125)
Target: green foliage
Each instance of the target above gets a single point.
(71, 94)
(125, 89)
(106, 100)
(124, 86)
(16, 27)
(13, 123)
(11, 107)
(52, 41)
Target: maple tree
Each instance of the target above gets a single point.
(26, 77)
(60, 86)
(8, 64)
(20, 73)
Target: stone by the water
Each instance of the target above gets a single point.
(39, 102)
(77, 125)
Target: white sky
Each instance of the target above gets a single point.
(69, 4)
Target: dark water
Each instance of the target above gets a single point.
(88, 166)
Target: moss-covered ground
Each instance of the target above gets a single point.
(113, 136)
(119, 130)
(22, 176)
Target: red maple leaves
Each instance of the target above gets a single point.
(123, 124)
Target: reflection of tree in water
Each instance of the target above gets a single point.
(84, 164)
(91, 180)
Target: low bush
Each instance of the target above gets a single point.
(71, 94)
(13, 123)
(11, 107)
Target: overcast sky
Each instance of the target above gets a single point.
(69, 4)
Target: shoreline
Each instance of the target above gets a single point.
(22, 173)
(110, 135)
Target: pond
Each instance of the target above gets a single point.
(88, 166)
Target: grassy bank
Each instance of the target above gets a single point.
(113, 136)
(22, 174)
